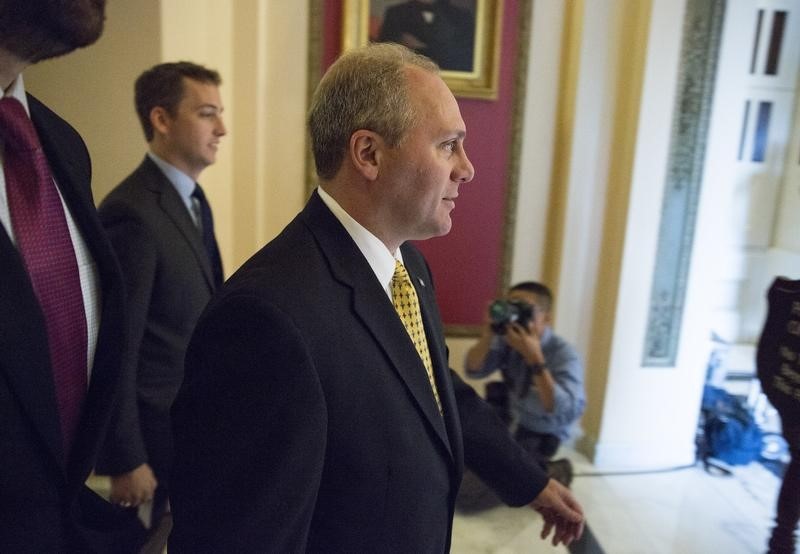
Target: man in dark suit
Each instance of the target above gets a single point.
(318, 413)
(61, 301)
(156, 219)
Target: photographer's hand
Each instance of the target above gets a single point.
(526, 342)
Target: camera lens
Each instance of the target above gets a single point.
(500, 315)
(503, 312)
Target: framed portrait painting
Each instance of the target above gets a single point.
(462, 36)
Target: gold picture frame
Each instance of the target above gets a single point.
(363, 20)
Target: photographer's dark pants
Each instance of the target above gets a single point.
(541, 446)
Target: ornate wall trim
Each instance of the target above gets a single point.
(702, 32)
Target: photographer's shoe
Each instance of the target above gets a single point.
(561, 471)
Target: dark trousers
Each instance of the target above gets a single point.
(787, 516)
(778, 361)
(156, 428)
(541, 446)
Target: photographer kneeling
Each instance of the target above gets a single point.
(541, 395)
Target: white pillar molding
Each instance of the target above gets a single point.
(260, 49)
(201, 31)
(536, 151)
(92, 88)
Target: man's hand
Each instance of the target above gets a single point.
(561, 512)
(132, 488)
(525, 341)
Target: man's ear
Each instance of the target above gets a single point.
(160, 120)
(366, 151)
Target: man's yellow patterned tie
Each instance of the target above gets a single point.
(407, 305)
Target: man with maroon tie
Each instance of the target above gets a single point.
(60, 301)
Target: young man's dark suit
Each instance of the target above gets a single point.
(44, 504)
(306, 422)
(168, 279)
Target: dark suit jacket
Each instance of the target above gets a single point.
(306, 421)
(44, 504)
(449, 38)
(168, 282)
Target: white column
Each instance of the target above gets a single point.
(260, 49)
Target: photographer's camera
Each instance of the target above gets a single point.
(504, 312)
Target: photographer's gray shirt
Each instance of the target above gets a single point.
(564, 365)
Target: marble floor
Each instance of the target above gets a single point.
(685, 511)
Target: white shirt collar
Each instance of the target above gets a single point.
(378, 256)
(182, 183)
(17, 90)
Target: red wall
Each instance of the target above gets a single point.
(466, 262)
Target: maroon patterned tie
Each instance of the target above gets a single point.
(43, 240)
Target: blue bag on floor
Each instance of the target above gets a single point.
(730, 431)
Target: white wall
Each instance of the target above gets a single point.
(536, 160)
(647, 417)
(757, 201)
(93, 89)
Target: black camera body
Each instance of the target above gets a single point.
(504, 312)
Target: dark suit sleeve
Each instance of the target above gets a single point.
(491, 452)
(250, 426)
(124, 448)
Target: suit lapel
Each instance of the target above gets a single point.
(174, 208)
(373, 307)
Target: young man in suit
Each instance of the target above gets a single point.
(61, 301)
(161, 228)
(318, 413)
